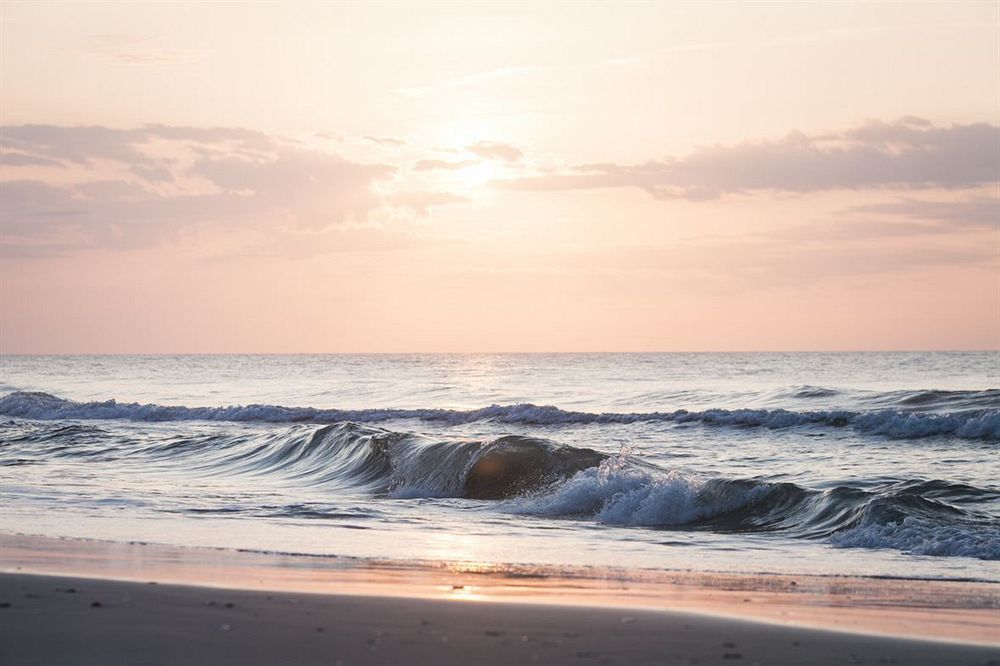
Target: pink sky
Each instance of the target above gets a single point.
(499, 177)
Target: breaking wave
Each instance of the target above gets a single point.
(895, 423)
(919, 517)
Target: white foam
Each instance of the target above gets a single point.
(923, 537)
(615, 493)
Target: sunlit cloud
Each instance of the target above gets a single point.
(495, 150)
(124, 188)
(385, 140)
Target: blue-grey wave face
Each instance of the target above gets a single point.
(982, 423)
(536, 477)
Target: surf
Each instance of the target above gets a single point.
(534, 476)
(970, 424)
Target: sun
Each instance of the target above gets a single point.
(475, 175)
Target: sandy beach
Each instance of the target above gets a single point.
(59, 620)
(454, 333)
(127, 604)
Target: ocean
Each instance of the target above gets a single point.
(862, 464)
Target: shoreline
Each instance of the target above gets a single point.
(953, 611)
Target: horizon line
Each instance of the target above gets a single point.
(513, 353)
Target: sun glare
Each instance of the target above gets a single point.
(457, 135)
(477, 174)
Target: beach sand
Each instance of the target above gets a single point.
(57, 620)
(123, 604)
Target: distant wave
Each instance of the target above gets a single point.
(934, 399)
(981, 424)
(535, 476)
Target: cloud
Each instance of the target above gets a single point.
(976, 212)
(26, 199)
(385, 140)
(20, 159)
(910, 153)
(421, 202)
(433, 165)
(913, 232)
(126, 188)
(331, 135)
(900, 219)
(494, 150)
(81, 145)
(317, 189)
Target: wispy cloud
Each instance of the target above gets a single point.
(910, 153)
(20, 159)
(385, 140)
(976, 212)
(495, 150)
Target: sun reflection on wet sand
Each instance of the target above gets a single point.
(955, 610)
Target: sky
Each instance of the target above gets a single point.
(463, 177)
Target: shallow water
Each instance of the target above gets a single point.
(861, 464)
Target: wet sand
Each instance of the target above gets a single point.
(60, 620)
(67, 601)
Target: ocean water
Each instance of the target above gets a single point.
(880, 464)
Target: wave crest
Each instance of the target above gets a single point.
(981, 424)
